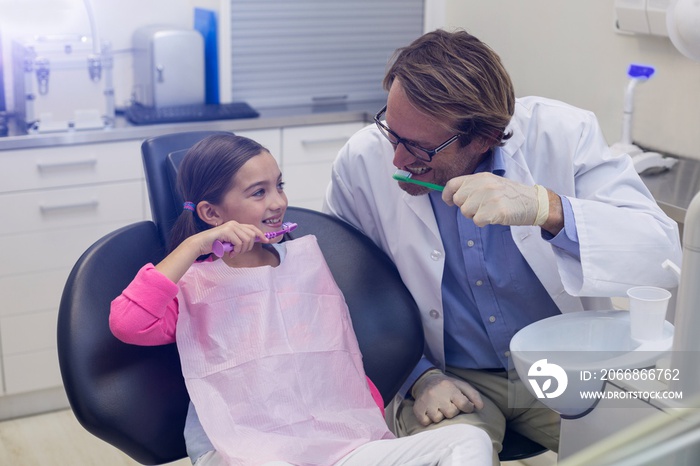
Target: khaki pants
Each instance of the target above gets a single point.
(530, 418)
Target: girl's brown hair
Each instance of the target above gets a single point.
(206, 174)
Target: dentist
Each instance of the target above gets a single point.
(537, 217)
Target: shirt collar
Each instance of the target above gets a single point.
(493, 163)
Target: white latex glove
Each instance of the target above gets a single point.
(439, 397)
(490, 199)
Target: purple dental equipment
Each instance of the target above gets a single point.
(219, 248)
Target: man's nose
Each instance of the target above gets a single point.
(402, 157)
(278, 200)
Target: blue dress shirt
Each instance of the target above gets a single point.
(489, 291)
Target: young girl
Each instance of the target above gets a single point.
(268, 353)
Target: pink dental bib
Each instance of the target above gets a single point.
(271, 361)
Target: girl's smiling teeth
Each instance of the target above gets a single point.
(273, 221)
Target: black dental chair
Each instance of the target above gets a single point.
(134, 397)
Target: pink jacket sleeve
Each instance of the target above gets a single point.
(146, 312)
(376, 395)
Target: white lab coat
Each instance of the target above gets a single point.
(623, 235)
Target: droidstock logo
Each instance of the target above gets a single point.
(543, 372)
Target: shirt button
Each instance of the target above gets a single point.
(434, 313)
(435, 255)
(507, 354)
(470, 243)
(479, 282)
(492, 319)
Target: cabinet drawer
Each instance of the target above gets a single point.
(33, 292)
(70, 165)
(309, 144)
(52, 209)
(45, 250)
(31, 371)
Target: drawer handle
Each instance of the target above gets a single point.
(340, 139)
(48, 166)
(76, 205)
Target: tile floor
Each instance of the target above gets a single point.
(57, 439)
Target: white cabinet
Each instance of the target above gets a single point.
(307, 156)
(57, 202)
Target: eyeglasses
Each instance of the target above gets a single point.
(426, 155)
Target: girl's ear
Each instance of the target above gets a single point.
(209, 213)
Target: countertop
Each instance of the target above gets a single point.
(269, 118)
(674, 189)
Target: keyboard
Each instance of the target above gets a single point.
(141, 115)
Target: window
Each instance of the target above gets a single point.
(314, 51)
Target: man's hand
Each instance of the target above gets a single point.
(490, 199)
(439, 397)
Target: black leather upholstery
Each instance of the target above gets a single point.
(134, 397)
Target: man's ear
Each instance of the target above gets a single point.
(483, 145)
(209, 213)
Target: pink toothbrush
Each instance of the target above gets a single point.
(219, 248)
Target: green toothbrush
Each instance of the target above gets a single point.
(403, 175)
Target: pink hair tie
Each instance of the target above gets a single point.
(189, 206)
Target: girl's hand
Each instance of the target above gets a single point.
(179, 261)
(242, 236)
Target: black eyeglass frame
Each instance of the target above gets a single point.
(409, 145)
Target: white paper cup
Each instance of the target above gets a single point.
(648, 306)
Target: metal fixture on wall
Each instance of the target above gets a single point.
(56, 63)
